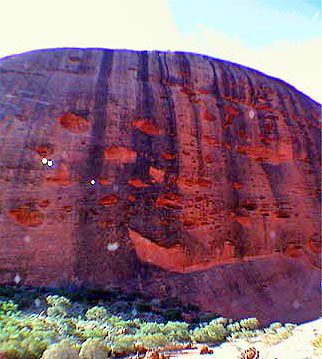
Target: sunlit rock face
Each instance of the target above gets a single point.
(173, 172)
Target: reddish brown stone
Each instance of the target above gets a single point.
(205, 350)
(120, 154)
(44, 151)
(147, 127)
(137, 182)
(59, 177)
(74, 123)
(157, 175)
(104, 181)
(169, 200)
(108, 200)
(27, 216)
(168, 156)
(187, 175)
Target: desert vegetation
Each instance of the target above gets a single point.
(50, 324)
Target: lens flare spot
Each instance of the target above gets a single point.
(17, 278)
(113, 246)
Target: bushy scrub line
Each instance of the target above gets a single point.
(97, 334)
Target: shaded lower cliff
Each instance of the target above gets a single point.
(173, 172)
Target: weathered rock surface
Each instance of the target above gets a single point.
(175, 173)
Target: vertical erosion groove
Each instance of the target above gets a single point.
(94, 164)
(185, 70)
(145, 109)
(170, 115)
(215, 85)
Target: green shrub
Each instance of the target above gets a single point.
(92, 329)
(96, 313)
(60, 306)
(290, 326)
(249, 323)
(219, 321)
(66, 349)
(8, 308)
(124, 344)
(152, 341)
(317, 342)
(277, 337)
(95, 348)
(234, 327)
(151, 328)
(201, 335)
(275, 326)
(21, 339)
(55, 300)
(175, 331)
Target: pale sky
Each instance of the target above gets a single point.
(282, 38)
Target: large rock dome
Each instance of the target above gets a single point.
(176, 173)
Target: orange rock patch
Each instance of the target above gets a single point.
(231, 112)
(27, 216)
(168, 156)
(314, 246)
(205, 350)
(60, 177)
(136, 182)
(43, 204)
(131, 198)
(103, 181)
(74, 59)
(244, 221)
(204, 182)
(74, 123)
(120, 154)
(106, 224)
(294, 251)
(21, 118)
(44, 151)
(108, 200)
(147, 127)
(174, 258)
(169, 200)
(237, 185)
(68, 209)
(156, 174)
(208, 116)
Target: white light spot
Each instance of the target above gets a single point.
(296, 304)
(17, 278)
(92, 181)
(113, 246)
(272, 234)
(27, 239)
(37, 302)
(251, 113)
(50, 163)
(44, 160)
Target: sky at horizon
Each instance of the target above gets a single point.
(281, 38)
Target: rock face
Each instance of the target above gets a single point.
(175, 173)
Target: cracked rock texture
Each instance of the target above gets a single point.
(173, 173)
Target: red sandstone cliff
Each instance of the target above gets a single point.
(180, 173)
